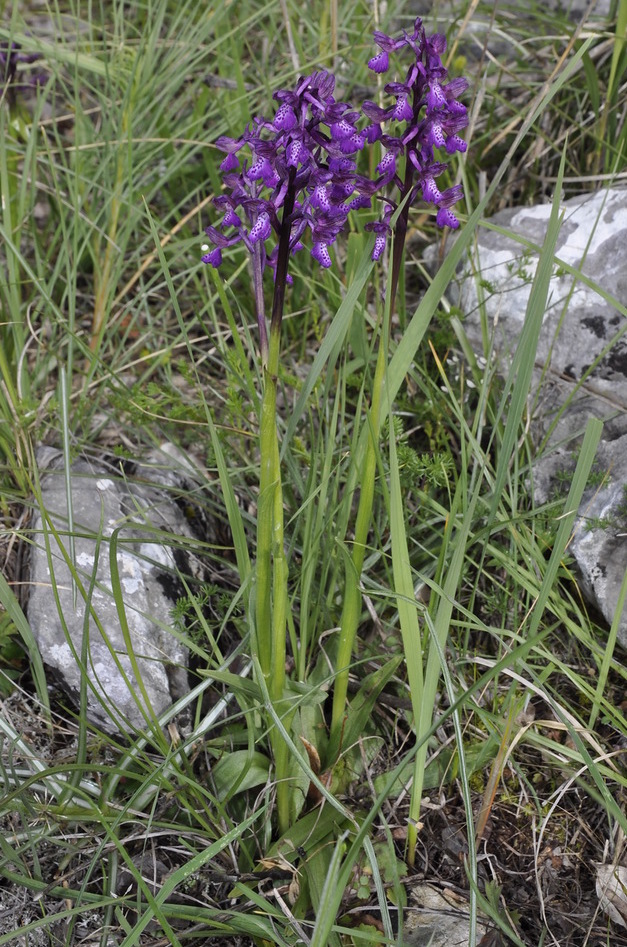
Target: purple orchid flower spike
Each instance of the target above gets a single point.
(306, 149)
(427, 108)
(297, 173)
(289, 175)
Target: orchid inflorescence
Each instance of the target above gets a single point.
(298, 172)
(293, 153)
(444, 116)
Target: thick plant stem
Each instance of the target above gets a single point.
(277, 681)
(351, 609)
(270, 512)
(272, 573)
(271, 587)
(265, 524)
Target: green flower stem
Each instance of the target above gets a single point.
(277, 681)
(265, 523)
(270, 628)
(272, 573)
(271, 566)
(351, 609)
(274, 509)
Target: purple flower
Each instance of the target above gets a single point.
(214, 257)
(261, 229)
(432, 114)
(320, 252)
(296, 171)
(379, 63)
(381, 229)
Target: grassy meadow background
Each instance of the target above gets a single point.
(485, 727)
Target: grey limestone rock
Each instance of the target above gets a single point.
(581, 363)
(124, 525)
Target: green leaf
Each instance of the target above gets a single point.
(410, 626)
(238, 771)
(361, 706)
(592, 82)
(331, 895)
